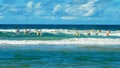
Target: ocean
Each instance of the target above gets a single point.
(59, 46)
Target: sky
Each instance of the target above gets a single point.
(60, 12)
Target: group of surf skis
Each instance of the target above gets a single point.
(76, 32)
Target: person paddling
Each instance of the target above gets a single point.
(26, 31)
(108, 33)
(17, 30)
(39, 33)
(77, 33)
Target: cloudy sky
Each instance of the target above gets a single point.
(59, 11)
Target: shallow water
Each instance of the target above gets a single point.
(59, 56)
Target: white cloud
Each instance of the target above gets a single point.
(90, 12)
(68, 17)
(88, 5)
(29, 5)
(39, 12)
(13, 8)
(38, 5)
(84, 10)
(37, 9)
(73, 10)
(56, 8)
(88, 8)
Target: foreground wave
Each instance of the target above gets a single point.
(83, 41)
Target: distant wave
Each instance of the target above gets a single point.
(64, 31)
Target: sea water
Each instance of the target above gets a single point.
(58, 47)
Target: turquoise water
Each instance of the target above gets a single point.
(59, 56)
(46, 36)
(57, 32)
(59, 47)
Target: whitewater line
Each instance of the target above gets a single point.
(82, 41)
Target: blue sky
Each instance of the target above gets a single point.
(59, 11)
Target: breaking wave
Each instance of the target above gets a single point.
(11, 32)
(83, 41)
(59, 36)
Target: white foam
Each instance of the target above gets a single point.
(82, 41)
